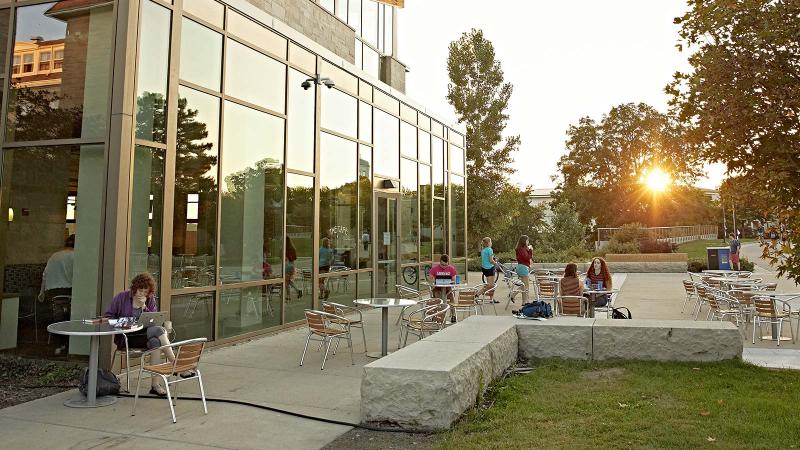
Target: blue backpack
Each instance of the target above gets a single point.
(537, 309)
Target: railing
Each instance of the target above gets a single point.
(678, 235)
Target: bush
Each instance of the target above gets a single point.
(656, 246)
(621, 247)
(746, 264)
(630, 232)
(696, 265)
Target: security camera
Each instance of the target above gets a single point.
(306, 84)
(328, 82)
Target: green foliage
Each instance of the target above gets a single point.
(565, 231)
(630, 232)
(746, 264)
(696, 265)
(621, 247)
(740, 104)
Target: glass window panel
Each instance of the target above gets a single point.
(424, 146)
(194, 227)
(387, 30)
(410, 276)
(409, 211)
(456, 159)
(371, 62)
(457, 220)
(338, 287)
(339, 112)
(365, 122)
(151, 78)
(364, 90)
(328, 4)
(381, 14)
(344, 80)
(439, 229)
(387, 102)
(424, 122)
(364, 288)
(299, 246)
(201, 55)
(437, 128)
(5, 20)
(369, 22)
(49, 246)
(192, 315)
(408, 113)
(359, 55)
(208, 10)
(254, 77)
(303, 58)
(425, 212)
(387, 145)
(252, 195)
(72, 102)
(341, 10)
(300, 152)
(338, 203)
(256, 34)
(354, 16)
(249, 309)
(147, 204)
(408, 140)
(437, 157)
(365, 205)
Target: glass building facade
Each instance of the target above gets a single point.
(178, 139)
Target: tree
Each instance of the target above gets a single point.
(565, 229)
(480, 97)
(740, 103)
(605, 161)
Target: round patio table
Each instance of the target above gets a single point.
(94, 331)
(384, 304)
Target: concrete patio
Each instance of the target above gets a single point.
(266, 371)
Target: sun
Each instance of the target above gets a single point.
(656, 180)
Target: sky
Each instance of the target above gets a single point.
(566, 59)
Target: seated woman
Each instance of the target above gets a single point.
(570, 284)
(132, 303)
(598, 273)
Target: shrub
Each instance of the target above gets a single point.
(630, 232)
(746, 264)
(656, 246)
(696, 265)
(622, 247)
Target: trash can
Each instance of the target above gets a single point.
(719, 258)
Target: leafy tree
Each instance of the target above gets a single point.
(565, 229)
(602, 170)
(740, 103)
(514, 217)
(480, 97)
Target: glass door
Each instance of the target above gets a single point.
(386, 244)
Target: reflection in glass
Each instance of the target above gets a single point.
(371, 61)
(299, 245)
(151, 77)
(249, 309)
(339, 112)
(147, 203)
(192, 315)
(364, 285)
(365, 122)
(62, 69)
(365, 205)
(300, 152)
(387, 145)
(338, 287)
(439, 229)
(409, 238)
(437, 158)
(252, 195)
(201, 55)
(369, 22)
(457, 220)
(425, 212)
(424, 146)
(408, 140)
(354, 15)
(338, 205)
(254, 77)
(194, 227)
(386, 231)
(53, 204)
(456, 159)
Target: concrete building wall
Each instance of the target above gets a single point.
(393, 73)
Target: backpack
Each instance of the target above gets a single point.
(537, 309)
(107, 382)
(617, 313)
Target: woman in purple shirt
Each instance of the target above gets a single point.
(132, 303)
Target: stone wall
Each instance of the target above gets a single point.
(393, 73)
(316, 23)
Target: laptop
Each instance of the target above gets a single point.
(443, 280)
(153, 319)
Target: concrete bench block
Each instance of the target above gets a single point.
(560, 337)
(666, 340)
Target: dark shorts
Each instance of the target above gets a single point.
(488, 272)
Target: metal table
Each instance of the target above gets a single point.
(594, 293)
(785, 297)
(384, 304)
(94, 331)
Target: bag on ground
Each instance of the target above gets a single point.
(618, 313)
(107, 382)
(537, 309)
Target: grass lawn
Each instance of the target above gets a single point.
(602, 405)
(697, 249)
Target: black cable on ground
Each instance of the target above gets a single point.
(280, 411)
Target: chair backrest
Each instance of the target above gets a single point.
(571, 305)
(688, 287)
(315, 320)
(436, 313)
(744, 274)
(770, 287)
(743, 297)
(548, 288)
(187, 354)
(765, 306)
(466, 297)
(330, 308)
(407, 292)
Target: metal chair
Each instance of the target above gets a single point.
(547, 291)
(404, 318)
(342, 311)
(515, 287)
(426, 320)
(766, 310)
(185, 367)
(409, 294)
(464, 300)
(487, 296)
(691, 293)
(132, 353)
(571, 305)
(320, 329)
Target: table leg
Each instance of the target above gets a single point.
(384, 331)
(91, 400)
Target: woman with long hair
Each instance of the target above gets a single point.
(524, 260)
(291, 256)
(488, 262)
(570, 284)
(599, 277)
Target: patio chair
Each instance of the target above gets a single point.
(185, 367)
(426, 320)
(405, 316)
(464, 301)
(701, 289)
(691, 293)
(487, 296)
(342, 311)
(723, 306)
(320, 329)
(515, 287)
(547, 291)
(746, 306)
(572, 305)
(409, 294)
(134, 353)
(766, 311)
(608, 307)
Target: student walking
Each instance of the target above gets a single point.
(488, 263)
(524, 260)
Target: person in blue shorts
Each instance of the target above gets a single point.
(488, 267)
